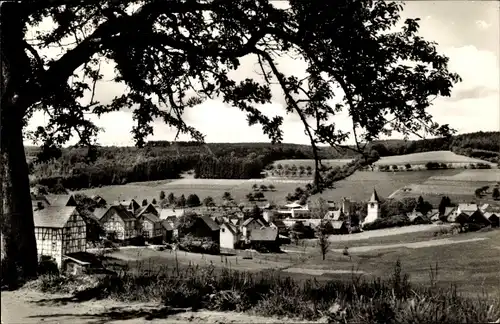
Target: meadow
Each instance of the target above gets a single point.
(424, 157)
(459, 184)
(471, 264)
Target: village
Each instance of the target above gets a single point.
(65, 236)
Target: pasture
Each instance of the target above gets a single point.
(424, 157)
(469, 261)
(432, 184)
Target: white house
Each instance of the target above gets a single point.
(373, 212)
(229, 236)
(59, 230)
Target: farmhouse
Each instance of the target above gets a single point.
(251, 224)
(493, 218)
(266, 237)
(119, 223)
(339, 227)
(373, 212)
(205, 227)
(478, 218)
(151, 227)
(59, 231)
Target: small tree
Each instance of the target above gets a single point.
(208, 201)
(255, 187)
(263, 187)
(154, 202)
(250, 197)
(144, 202)
(478, 192)
(162, 195)
(227, 196)
(495, 194)
(271, 187)
(259, 195)
(193, 201)
(181, 201)
(408, 166)
(171, 198)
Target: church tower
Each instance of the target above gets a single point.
(373, 211)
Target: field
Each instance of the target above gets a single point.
(469, 261)
(309, 162)
(459, 184)
(424, 157)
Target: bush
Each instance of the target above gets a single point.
(388, 222)
(47, 266)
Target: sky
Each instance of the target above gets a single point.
(466, 31)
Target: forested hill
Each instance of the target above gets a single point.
(82, 168)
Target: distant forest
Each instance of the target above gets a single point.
(77, 168)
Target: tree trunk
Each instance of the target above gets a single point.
(19, 254)
(18, 245)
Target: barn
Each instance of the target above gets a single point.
(59, 231)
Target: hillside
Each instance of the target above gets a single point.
(77, 168)
(425, 157)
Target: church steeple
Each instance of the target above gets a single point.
(374, 197)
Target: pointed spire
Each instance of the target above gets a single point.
(374, 197)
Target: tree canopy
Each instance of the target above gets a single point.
(174, 54)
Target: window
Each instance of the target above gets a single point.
(223, 230)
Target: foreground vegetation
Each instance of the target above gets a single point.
(388, 300)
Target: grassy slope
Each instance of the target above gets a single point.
(424, 157)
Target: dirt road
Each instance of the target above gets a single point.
(27, 307)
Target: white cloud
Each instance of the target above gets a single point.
(481, 24)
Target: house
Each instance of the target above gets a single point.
(280, 225)
(61, 200)
(251, 224)
(478, 218)
(468, 209)
(266, 237)
(374, 211)
(205, 227)
(493, 218)
(119, 223)
(484, 207)
(99, 200)
(339, 227)
(151, 227)
(165, 213)
(59, 230)
(417, 217)
(168, 231)
(448, 211)
(149, 208)
(335, 215)
(131, 205)
(229, 236)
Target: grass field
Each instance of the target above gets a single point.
(471, 264)
(424, 157)
(310, 162)
(432, 184)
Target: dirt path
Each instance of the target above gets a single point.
(27, 307)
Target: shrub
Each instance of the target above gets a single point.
(387, 222)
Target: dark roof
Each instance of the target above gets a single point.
(53, 216)
(166, 225)
(279, 223)
(259, 220)
(211, 224)
(139, 211)
(374, 197)
(123, 212)
(233, 229)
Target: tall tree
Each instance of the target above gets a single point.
(165, 50)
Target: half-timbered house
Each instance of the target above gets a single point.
(59, 231)
(119, 223)
(151, 227)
